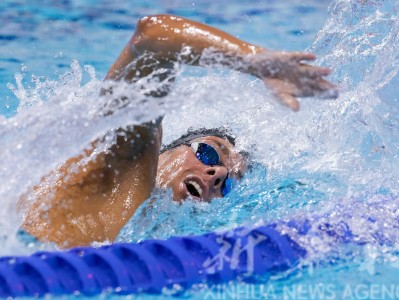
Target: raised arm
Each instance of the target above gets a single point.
(165, 37)
(170, 38)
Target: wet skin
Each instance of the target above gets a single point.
(180, 170)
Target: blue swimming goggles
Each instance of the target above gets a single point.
(208, 155)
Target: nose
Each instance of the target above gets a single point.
(215, 175)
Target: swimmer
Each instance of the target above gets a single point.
(92, 201)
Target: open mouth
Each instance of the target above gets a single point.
(194, 188)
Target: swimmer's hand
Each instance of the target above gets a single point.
(288, 77)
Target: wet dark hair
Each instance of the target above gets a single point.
(192, 134)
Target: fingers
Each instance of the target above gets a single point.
(299, 56)
(326, 90)
(320, 88)
(325, 85)
(311, 83)
(284, 92)
(309, 70)
(291, 78)
(288, 100)
(312, 71)
(313, 86)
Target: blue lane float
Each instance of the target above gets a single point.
(153, 265)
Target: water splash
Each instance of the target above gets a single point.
(305, 162)
(334, 160)
(56, 120)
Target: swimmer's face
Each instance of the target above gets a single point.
(180, 170)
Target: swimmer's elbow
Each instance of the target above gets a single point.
(151, 26)
(158, 20)
(153, 32)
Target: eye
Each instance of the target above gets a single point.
(206, 154)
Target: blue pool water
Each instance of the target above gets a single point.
(334, 160)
